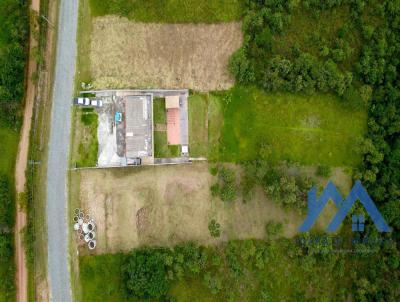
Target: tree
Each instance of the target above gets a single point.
(145, 274)
(240, 67)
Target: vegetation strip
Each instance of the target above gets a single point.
(13, 58)
(173, 11)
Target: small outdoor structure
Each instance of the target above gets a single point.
(172, 101)
(173, 120)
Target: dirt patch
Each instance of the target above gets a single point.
(125, 54)
(168, 205)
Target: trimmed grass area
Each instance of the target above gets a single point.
(171, 11)
(313, 129)
(85, 144)
(159, 111)
(161, 148)
(306, 129)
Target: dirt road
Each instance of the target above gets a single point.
(20, 168)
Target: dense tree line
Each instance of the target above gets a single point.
(13, 50)
(379, 67)
(13, 54)
(6, 238)
(234, 269)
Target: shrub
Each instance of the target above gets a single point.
(226, 186)
(214, 228)
(240, 67)
(213, 283)
(273, 229)
(215, 190)
(324, 171)
(214, 170)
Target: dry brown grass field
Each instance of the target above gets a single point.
(167, 205)
(126, 54)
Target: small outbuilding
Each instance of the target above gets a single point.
(172, 101)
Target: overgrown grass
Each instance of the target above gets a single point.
(171, 11)
(85, 132)
(100, 278)
(198, 124)
(307, 129)
(8, 150)
(192, 290)
(161, 147)
(83, 72)
(9, 137)
(159, 111)
(311, 33)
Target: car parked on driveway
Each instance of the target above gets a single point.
(97, 103)
(82, 101)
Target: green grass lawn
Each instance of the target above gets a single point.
(85, 144)
(83, 72)
(161, 148)
(308, 129)
(159, 111)
(171, 11)
(8, 150)
(198, 123)
(100, 278)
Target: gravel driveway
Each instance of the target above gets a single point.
(56, 208)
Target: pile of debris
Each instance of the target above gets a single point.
(85, 227)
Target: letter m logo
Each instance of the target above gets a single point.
(315, 207)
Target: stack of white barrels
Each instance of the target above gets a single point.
(85, 227)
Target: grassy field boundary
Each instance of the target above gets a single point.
(83, 73)
(36, 232)
(172, 11)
